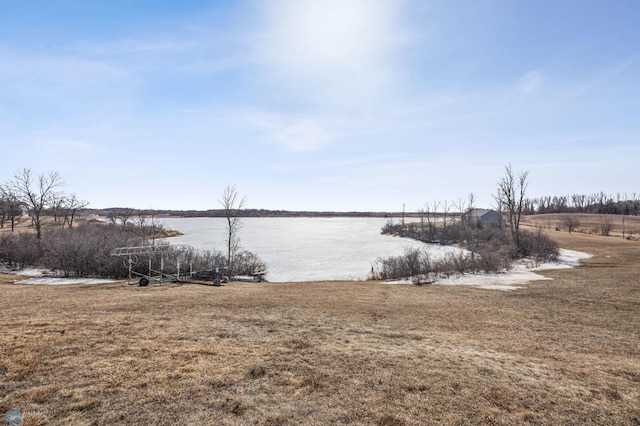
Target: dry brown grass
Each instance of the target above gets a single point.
(589, 223)
(565, 351)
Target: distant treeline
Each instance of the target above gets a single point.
(119, 211)
(599, 203)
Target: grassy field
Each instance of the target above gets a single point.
(565, 351)
(588, 223)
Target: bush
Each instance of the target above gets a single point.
(247, 263)
(570, 222)
(391, 228)
(84, 250)
(492, 261)
(81, 251)
(419, 263)
(538, 246)
(19, 250)
(489, 249)
(606, 223)
(412, 263)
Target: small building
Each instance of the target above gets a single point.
(482, 217)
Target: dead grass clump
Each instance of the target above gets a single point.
(499, 396)
(314, 380)
(256, 371)
(85, 404)
(226, 335)
(26, 363)
(42, 394)
(234, 405)
(35, 419)
(217, 382)
(526, 416)
(612, 393)
(390, 420)
(273, 419)
(416, 388)
(298, 344)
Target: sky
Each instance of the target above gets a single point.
(341, 105)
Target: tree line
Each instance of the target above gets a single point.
(38, 196)
(488, 247)
(597, 203)
(245, 212)
(83, 249)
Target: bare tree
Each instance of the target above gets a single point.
(231, 202)
(606, 223)
(150, 228)
(510, 199)
(124, 215)
(464, 222)
(570, 222)
(35, 194)
(428, 222)
(56, 206)
(444, 222)
(71, 207)
(10, 207)
(472, 201)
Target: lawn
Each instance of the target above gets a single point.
(565, 351)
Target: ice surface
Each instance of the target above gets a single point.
(304, 249)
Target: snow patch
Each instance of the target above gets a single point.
(40, 276)
(521, 273)
(60, 281)
(25, 272)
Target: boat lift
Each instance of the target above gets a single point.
(217, 275)
(130, 260)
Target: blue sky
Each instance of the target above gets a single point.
(320, 104)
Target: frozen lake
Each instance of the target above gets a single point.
(302, 249)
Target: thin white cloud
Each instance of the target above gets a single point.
(187, 50)
(62, 145)
(302, 136)
(332, 50)
(36, 65)
(57, 82)
(294, 132)
(530, 82)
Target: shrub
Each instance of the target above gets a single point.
(85, 249)
(19, 250)
(391, 228)
(606, 223)
(489, 249)
(538, 246)
(247, 263)
(410, 264)
(570, 222)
